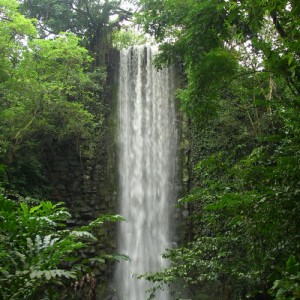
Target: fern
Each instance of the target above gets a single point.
(99, 221)
(41, 249)
(83, 235)
(52, 274)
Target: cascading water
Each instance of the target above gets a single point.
(147, 160)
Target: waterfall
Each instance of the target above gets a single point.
(147, 159)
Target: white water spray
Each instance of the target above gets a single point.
(147, 160)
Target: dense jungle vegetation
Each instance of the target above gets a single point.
(239, 63)
(53, 84)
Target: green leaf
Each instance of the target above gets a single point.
(48, 275)
(291, 265)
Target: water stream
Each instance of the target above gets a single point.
(147, 159)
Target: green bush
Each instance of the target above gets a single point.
(38, 255)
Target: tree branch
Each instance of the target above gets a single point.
(278, 26)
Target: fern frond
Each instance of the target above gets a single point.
(83, 234)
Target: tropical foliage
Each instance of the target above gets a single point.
(39, 257)
(51, 99)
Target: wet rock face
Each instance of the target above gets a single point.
(88, 189)
(88, 185)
